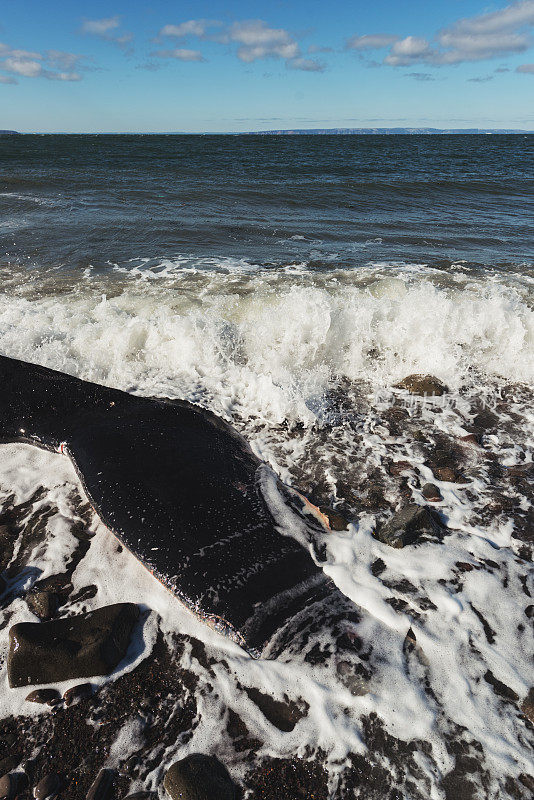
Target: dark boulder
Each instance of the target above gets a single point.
(199, 777)
(422, 385)
(74, 647)
(102, 787)
(12, 784)
(408, 525)
(48, 787)
(10, 762)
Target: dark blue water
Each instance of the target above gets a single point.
(74, 201)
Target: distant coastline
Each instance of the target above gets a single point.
(388, 131)
(294, 132)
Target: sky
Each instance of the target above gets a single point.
(231, 65)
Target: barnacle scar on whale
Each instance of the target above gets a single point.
(184, 493)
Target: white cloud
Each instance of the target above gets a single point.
(23, 66)
(100, 27)
(254, 38)
(180, 54)
(193, 27)
(306, 64)
(408, 51)
(478, 38)
(514, 16)
(526, 68)
(107, 29)
(257, 40)
(28, 64)
(370, 41)
(63, 61)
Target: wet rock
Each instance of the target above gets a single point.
(354, 677)
(48, 787)
(336, 520)
(447, 474)
(102, 787)
(464, 566)
(74, 647)
(43, 604)
(485, 420)
(199, 777)
(50, 697)
(12, 784)
(398, 467)
(378, 567)
(422, 385)
(408, 525)
(527, 706)
(471, 439)
(431, 492)
(76, 693)
(9, 763)
(500, 688)
(283, 715)
(2, 585)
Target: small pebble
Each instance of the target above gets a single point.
(49, 696)
(76, 693)
(47, 787)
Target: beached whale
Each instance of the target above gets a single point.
(182, 490)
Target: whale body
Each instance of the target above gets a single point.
(180, 488)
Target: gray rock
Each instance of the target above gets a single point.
(422, 385)
(408, 525)
(74, 647)
(47, 787)
(199, 777)
(102, 787)
(431, 492)
(43, 604)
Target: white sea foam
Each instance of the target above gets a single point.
(268, 343)
(263, 347)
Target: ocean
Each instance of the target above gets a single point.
(288, 283)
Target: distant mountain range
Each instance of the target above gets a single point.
(2, 133)
(385, 131)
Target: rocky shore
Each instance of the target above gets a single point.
(111, 692)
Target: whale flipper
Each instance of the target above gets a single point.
(179, 488)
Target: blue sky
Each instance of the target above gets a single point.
(231, 66)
